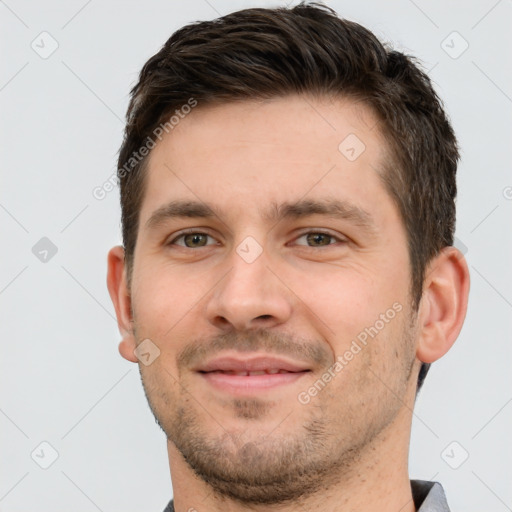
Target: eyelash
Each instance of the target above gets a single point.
(320, 232)
(311, 232)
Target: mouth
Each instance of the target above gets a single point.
(242, 376)
(244, 373)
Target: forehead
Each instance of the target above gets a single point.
(256, 153)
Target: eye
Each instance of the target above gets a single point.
(192, 240)
(317, 239)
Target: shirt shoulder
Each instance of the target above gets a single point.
(170, 506)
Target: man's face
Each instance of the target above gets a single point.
(273, 249)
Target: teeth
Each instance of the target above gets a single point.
(244, 373)
(247, 374)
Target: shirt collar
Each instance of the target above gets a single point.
(429, 496)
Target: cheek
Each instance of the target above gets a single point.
(373, 364)
(165, 299)
(345, 299)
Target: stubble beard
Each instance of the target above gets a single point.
(269, 470)
(282, 466)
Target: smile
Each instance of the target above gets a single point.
(248, 375)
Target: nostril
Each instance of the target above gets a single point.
(264, 317)
(221, 322)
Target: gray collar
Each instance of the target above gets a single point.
(429, 496)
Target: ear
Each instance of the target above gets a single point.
(443, 305)
(120, 295)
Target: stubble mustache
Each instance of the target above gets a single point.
(310, 351)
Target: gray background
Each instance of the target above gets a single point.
(62, 379)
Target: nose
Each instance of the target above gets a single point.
(250, 296)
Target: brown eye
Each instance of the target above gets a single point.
(318, 239)
(192, 240)
(195, 240)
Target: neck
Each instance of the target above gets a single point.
(378, 481)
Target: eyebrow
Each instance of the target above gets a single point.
(335, 208)
(338, 209)
(180, 209)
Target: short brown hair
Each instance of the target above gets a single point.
(263, 53)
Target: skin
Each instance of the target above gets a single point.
(305, 298)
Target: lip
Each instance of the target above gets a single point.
(251, 364)
(233, 374)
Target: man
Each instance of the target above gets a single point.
(287, 277)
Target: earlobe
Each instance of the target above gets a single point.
(119, 293)
(127, 347)
(443, 305)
